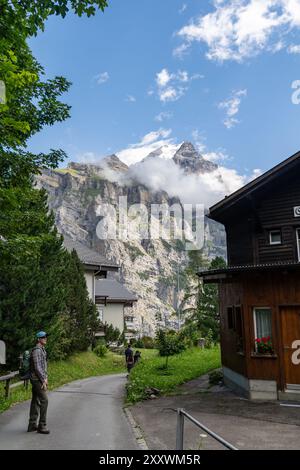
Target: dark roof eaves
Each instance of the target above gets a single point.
(241, 268)
(252, 185)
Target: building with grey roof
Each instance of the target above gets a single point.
(90, 258)
(109, 295)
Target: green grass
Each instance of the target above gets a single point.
(186, 366)
(78, 366)
(147, 353)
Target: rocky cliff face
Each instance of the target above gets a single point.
(149, 267)
(192, 161)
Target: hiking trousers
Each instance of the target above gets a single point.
(39, 404)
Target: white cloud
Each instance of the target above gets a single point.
(130, 99)
(232, 107)
(198, 140)
(197, 76)
(208, 188)
(152, 141)
(239, 29)
(161, 172)
(181, 50)
(163, 116)
(294, 49)
(256, 173)
(102, 78)
(163, 78)
(183, 76)
(169, 85)
(182, 9)
(171, 93)
(216, 156)
(153, 136)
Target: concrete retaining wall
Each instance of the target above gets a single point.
(250, 388)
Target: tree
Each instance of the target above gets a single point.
(42, 286)
(36, 273)
(81, 311)
(112, 334)
(31, 103)
(31, 15)
(169, 343)
(204, 314)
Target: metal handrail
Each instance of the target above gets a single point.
(181, 414)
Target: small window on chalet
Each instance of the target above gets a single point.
(239, 329)
(275, 237)
(230, 318)
(262, 327)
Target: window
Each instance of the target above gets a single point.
(275, 237)
(298, 242)
(230, 318)
(100, 312)
(239, 327)
(129, 319)
(262, 322)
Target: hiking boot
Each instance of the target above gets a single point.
(32, 428)
(43, 430)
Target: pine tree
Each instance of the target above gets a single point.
(81, 310)
(204, 314)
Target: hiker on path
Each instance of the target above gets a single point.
(137, 357)
(129, 358)
(39, 382)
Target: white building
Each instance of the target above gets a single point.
(110, 296)
(113, 301)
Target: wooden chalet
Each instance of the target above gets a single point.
(259, 291)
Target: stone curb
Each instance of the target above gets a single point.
(136, 430)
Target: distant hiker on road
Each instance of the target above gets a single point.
(136, 357)
(39, 382)
(129, 358)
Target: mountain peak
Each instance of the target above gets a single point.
(191, 161)
(114, 163)
(187, 149)
(111, 162)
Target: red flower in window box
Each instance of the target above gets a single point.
(264, 345)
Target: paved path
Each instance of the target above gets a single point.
(245, 424)
(86, 414)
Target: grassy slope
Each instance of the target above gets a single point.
(186, 366)
(78, 366)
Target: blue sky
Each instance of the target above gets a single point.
(228, 91)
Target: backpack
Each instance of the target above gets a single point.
(25, 364)
(24, 369)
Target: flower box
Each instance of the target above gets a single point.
(264, 345)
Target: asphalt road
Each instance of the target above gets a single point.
(86, 414)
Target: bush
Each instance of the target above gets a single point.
(190, 335)
(149, 343)
(137, 343)
(145, 342)
(209, 342)
(100, 350)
